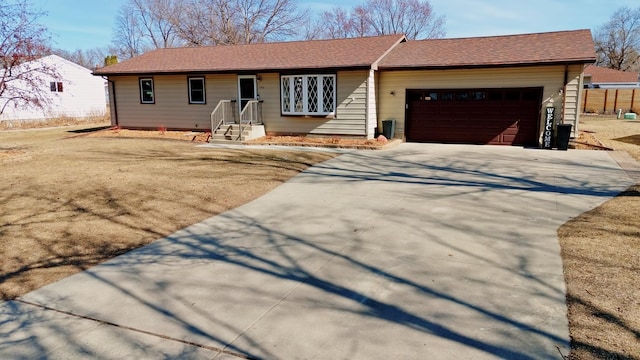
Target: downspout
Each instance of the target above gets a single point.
(112, 95)
(564, 92)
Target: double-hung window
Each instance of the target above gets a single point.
(196, 90)
(308, 94)
(146, 91)
(56, 86)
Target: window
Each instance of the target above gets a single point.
(308, 94)
(196, 90)
(146, 91)
(478, 95)
(56, 86)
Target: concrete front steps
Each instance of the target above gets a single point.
(231, 132)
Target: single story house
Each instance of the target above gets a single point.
(74, 92)
(484, 90)
(596, 77)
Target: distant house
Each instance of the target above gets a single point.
(74, 93)
(596, 77)
(485, 90)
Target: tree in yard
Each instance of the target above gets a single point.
(338, 23)
(87, 58)
(414, 18)
(24, 81)
(142, 25)
(110, 60)
(206, 22)
(267, 20)
(127, 34)
(155, 17)
(230, 22)
(148, 24)
(618, 41)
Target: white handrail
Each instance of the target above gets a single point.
(251, 113)
(222, 114)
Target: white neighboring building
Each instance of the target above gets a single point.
(75, 94)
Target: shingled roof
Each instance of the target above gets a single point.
(542, 48)
(604, 75)
(362, 52)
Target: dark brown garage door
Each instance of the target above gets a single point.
(474, 116)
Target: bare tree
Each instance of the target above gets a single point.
(206, 22)
(618, 41)
(146, 24)
(217, 22)
(127, 34)
(338, 23)
(87, 58)
(155, 18)
(267, 20)
(23, 79)
(414, 18)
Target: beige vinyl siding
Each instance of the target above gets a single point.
(350, 117)
(573, 94)
(372, 109)
(551, 78)
(171, 108)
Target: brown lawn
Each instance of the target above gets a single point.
(70, 201)
(601, 257)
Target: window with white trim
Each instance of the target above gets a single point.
(308, 94)
(196, 90)
(146, 91)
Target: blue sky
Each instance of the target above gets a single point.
(86, 24)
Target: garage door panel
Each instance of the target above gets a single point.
(475, 116)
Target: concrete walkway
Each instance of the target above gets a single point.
(423, 251)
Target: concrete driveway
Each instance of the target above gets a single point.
(423, 251)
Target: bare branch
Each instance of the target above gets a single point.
(618, 41)
(414, 18)
(22, 42)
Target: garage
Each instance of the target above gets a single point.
(474, 116)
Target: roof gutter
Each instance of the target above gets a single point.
(238, 71)
(484, 66)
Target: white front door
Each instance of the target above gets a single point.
(247, 90)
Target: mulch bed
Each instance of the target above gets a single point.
(203, 137)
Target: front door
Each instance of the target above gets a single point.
(247, 90)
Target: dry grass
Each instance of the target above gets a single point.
(70, 201)
(601, 257)
(54, 122)
(614, 133)
(335, 141)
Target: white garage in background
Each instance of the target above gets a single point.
(76, 93)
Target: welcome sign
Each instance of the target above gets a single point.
(547, 136)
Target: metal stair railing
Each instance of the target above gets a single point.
(251, 114)
(222, 114)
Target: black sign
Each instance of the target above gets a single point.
(547, 135)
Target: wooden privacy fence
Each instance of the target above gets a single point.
(608, 101)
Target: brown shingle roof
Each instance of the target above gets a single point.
(553, 47)
(317, 54)
(604, 75)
